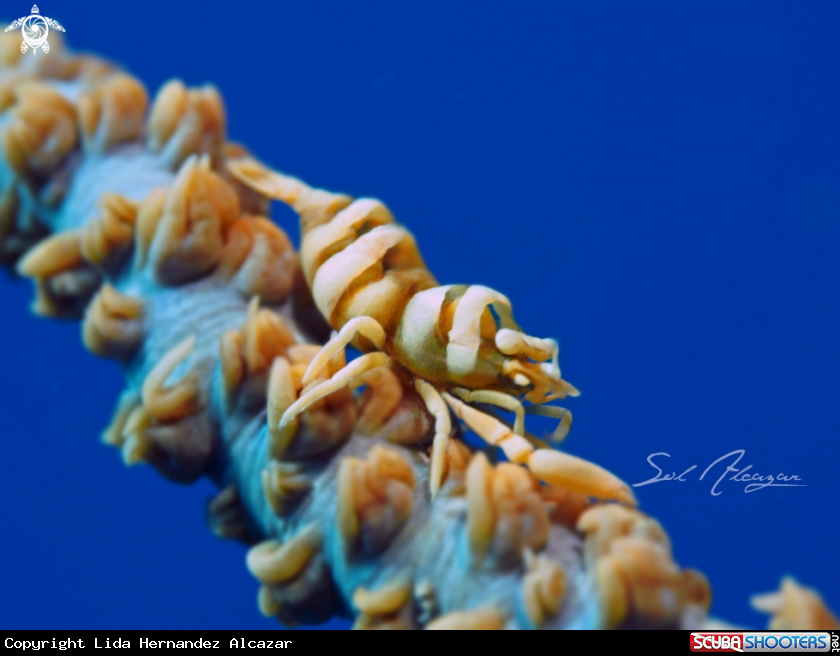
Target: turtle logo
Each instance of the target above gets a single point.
(35, 29)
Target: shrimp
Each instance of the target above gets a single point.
(460, 343)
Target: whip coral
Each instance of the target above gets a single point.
(137, 216)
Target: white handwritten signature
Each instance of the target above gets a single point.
(754, 481)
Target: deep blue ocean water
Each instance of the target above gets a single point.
(657, 184)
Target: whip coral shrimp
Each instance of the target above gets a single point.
(460, 342)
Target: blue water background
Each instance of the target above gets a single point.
(657, 184)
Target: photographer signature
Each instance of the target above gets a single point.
(754, 481)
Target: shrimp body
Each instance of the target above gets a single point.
(460, 343)
(361, 263)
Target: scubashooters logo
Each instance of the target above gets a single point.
(35, 29)
(762, 641)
